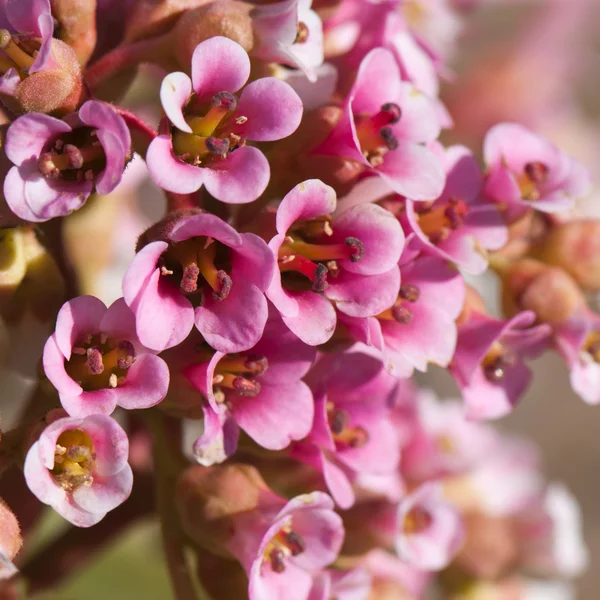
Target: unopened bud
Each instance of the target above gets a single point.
(10, 540)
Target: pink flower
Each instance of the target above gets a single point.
(525, 171)
(488, 363)
(203, 140)
(282, 546)
(96, 362)
(200, 270)
(420, 326)
(259, 391)
(460, 222)
(351, 433)
(430, 530)
(59, 163)
(32, 22)
(79, 467)
(349, 261)
(385, 126)
(289, 33)
(341, 585)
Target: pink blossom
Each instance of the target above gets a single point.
(385, 126)
(430, 530)
(59, 163)
(282, 545)
(460, 222)
(488, 363)
(349, 261)
(79, 467)
(289, 33)
(351, 432)
(96, 362)
(419, 328)
(526, 171)
(259, 391)
(203, 141)
(200, 270)
(31, 21)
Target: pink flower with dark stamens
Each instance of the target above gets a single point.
(201, 269)
(526, 171)
(27, 21)
(351, 432)
(289, 33)
(281, 546)
(349, 261)
(488, 363)
(420, 327)
(59, 163)
(460, 222)
(203, 139)
(385, 126)
(79, 467)
(96, 361)
(259, 391)
(430, 531)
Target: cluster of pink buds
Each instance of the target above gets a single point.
(230, 235)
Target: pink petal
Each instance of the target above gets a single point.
(240, 178)
(146, 383)
(273, 110)
(23, 14)
(219, 65)
(119, 323)
(255, 261)
(28, 135)
(338, 484)
(219, 440)
(76, 318)
(175, 91)
(418, 122)
(45, 25)
(108, 179)
(39, 480)
(168, 172)
(206, 224)
(278, 415)
(316, 320)
(104, 117)
(110, 442)
(97, 402)
(54, 368)
(105, 493)
(140, 270)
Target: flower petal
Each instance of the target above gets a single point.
(175, 91)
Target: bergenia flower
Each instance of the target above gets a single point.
(385, 126)
(58, 164)
(352, 432)
(281, 546)
(25, 24)
(488, 363)
(203, 139)
(96, 361)
(430, 531)
(349, 261)
(200, 269)
(526, 171)
(289, 33)
(79, 467)
(259, 390)
(460, 222)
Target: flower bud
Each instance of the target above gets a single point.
(551, 293)
(575, 247)
(10, 540)
(57, 91)
(76, 25)
(208, 500)
(228, 19)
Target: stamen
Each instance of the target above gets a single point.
(218, 146)
(94, 361)
(393, 110)
(189, 279)
(357, 247)
(276, 557)
(494, 368)
(389, 137)
(225, 100)
(301, 33)
(246, 387)
(317, 273)
(402, 314)
(127, 355)
(320, 281)
(257, 365)
(295, 542)
(225, 284)
(338, 421)
(7, 43)
(537, 171)
(410, 292)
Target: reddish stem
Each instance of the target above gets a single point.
(179, 201)
(142, 133)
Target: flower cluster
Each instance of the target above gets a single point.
(318, 246)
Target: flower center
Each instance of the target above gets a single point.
(301, 33)
(496, 362)
(74, 156)
(534, 175)
(401, 311)
(97, 362)
(344, 434)
(437, 222)
(20, 52)
(73, 460)
(284, 544)
(190, 261)
(237, 373)
(417, 520)
(375, 134)
(213, 134)
(308, 252)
